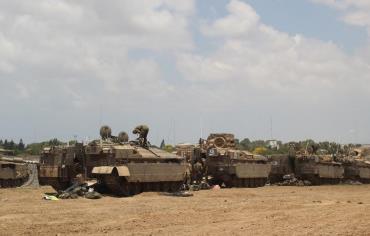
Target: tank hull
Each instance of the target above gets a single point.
(57, 177)
(59, 166)
(134, 178)
(247, 174)
(353, 171)
(319, 173)
(13, 174)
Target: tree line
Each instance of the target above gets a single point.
(32, 149)
(13, 146)
(262, 147)
(265, 147)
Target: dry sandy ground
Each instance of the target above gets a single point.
(325, 210)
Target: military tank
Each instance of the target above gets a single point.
(59, 165)
(318, 169)
(227, 165)
(13, 172)
(129, 168)
(356, 165)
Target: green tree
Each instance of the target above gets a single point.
(6, 144)
(168, 148)
(21, 145)
(260, 151)
(11, 145)
(245, 144)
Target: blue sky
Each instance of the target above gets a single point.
(184, 66)
(297, 17)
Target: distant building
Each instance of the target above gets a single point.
(273, 144)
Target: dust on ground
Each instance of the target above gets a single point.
(274, 210)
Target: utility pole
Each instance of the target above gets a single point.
(271, 128)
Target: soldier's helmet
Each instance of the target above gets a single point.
(123, 137)
(105, 132)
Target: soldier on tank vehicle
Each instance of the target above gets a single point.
(142, 131)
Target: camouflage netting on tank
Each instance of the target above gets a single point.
(105, 132)
(123, 137)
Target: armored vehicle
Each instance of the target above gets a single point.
(356, 165)
(13, 172)
(59, 165)
(235, 168)
(128, 168)
(356, 169)
(318, 169)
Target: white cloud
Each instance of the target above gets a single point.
(242, 19)
(356, 12)
(257, 65)
(70, 44)
(259, 56)
(63, 64)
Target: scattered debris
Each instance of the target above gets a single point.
(291, 180)
(201, 186)
(79, 190)
(50, 197)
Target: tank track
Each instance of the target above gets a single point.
(248, 182)
(119, 186)
(12, 183)
(234, 182)
(364, 181)
(315, 180)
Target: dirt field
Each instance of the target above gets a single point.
(325, 210)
